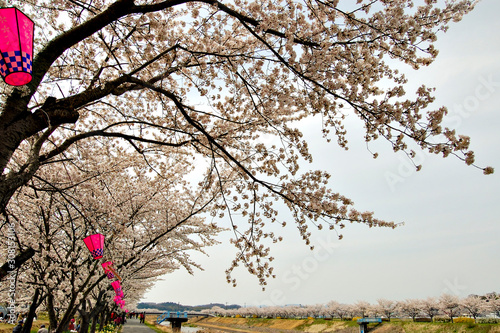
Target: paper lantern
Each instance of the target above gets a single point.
(95, 244)
(16, 46)
(110, 271)
(117, 287)
(107, 269)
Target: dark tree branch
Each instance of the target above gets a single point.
(19, 260)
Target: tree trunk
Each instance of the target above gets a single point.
(68, 315)
(97, 311)
(51, 312)
(31, 314)
(84, 317)
(105, 318)
(94, 324)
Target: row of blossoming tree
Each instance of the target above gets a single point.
(150, 228)
(446, 305)
(222, 86)
(130, 98)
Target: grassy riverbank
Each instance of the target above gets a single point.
(327, 326)
(151, 323)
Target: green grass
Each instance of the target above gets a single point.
(43, 316)
(443, 327)
(416, 327)
(154, 328)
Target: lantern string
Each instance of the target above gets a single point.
(114, 272)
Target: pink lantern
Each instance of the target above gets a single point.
(119, 301)
(16, 46)
(107, 269)
(110, 271)
(95, 244)
(117, 287)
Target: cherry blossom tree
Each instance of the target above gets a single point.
(350, 310)
(474, 305)
(275, 312)
(362, 308)
(386, 307)
(217, 311)
(315, 310)
(336, 309)
(245, 311)
(493, 301)
(223, 86)
(410, 308)
(284, 311)
(429, 307)
(295, 311)
(449, 305)
(331, 309)
(150, 228)
(494, 306)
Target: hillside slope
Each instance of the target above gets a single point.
(327, 326)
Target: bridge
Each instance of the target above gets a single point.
(363, 323)
(189, 314)
(176, 318)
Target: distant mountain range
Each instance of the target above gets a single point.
(170, 306)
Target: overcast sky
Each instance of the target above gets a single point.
(450, 240)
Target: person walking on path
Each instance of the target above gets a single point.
(43, 329)
(18, 328)
(135, 326)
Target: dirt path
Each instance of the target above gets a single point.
(134, 326)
